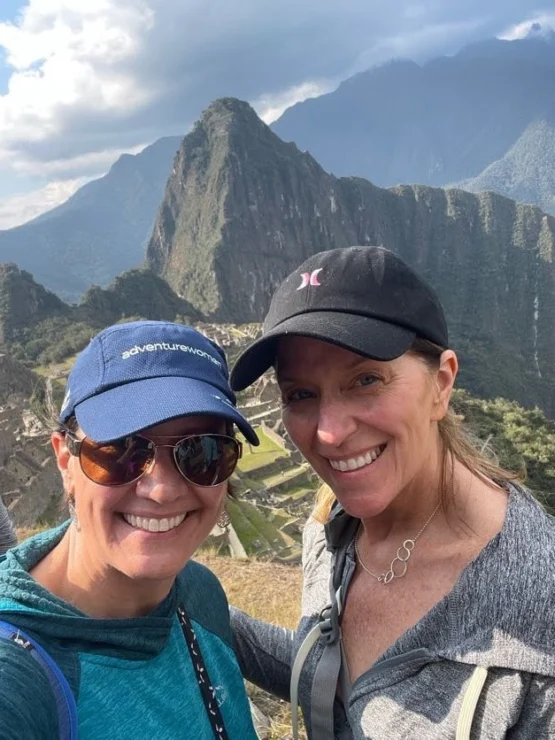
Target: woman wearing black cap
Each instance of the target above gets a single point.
(112, 632)
(436, 621)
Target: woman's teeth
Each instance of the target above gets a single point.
(353, 463)
(154, 525)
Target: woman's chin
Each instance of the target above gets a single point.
(153, 568)
(362, 504)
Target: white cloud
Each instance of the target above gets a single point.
(520, 30)
(89, 164)
(67, 56)
(270, 107)
(21, 208)
(421, 42)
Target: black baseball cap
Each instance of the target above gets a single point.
(365, 299)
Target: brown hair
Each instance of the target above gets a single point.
(457, 446)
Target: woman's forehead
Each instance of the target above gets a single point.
(296, 353)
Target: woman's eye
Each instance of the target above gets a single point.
(299, 394)
(365, 380)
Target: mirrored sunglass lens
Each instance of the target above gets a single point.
(115, 463)
(207, 460)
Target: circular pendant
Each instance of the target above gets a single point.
(405, 551)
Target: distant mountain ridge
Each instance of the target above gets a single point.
(100, 231)
(242, 209)
(444, 122)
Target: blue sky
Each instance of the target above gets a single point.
(8, 12)
(88, 80)
(14, 183)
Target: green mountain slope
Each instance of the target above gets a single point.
(526, 172)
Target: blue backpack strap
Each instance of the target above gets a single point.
(65, 701)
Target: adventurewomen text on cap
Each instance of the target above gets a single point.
(166, 347)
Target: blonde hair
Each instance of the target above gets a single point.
(457, 446)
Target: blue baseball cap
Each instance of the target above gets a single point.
(135, 375)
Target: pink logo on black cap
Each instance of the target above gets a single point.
(310, 278)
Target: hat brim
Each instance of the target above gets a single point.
(365, 335)
(126, 409)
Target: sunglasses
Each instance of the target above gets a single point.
(202, 459)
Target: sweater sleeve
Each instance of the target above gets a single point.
(537, 718)
(27, 704)
(7, 532)
(264, 652)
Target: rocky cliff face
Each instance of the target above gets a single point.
(242, 209)
(30, 484)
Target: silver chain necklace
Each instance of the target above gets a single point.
(403, 555)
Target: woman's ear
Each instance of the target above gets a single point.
(443, 382)
(63, 460)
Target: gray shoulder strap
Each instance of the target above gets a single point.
(300, 658)
(324, 686)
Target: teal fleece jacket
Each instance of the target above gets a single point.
(131, 678)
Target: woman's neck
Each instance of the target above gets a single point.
(470, 507)
(104, 593)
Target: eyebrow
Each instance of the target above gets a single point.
(351, 365)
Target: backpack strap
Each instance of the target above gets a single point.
(65, 701)
(328, 628)
(324, 685)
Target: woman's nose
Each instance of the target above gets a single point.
(162, 482)
(335, 423)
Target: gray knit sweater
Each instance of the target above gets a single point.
(497, 621)
(7, 533)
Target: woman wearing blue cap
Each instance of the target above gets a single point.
(428, 571)
(114, 632)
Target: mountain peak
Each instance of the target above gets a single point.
(228, 110)
(226, 119)
(230, 163)
(23, 301)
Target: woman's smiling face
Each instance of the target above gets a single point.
(368, 428)
(114, 521)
